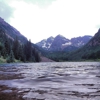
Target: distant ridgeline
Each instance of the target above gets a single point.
(14, 46)
(90, 51)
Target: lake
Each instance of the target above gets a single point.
(51, 81)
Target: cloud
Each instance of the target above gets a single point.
(70, 18)
(40, 3)
(6, 11)
(98, 26)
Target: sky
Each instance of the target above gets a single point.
(40, 19)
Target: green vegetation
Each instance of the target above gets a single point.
(86, 53)
(58, 56)
(12, 50)
(2, 60)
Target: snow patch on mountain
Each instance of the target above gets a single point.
(66, 44)
(60, 43)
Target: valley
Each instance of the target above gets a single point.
(49, 50)
(14, 47)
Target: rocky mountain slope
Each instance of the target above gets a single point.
(90, 51)
(95, 41)
(60, 43)
(46, 43)
(11, 32)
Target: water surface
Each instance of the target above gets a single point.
(53, 81)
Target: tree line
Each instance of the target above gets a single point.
(11, 49)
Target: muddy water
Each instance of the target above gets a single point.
(52, 81)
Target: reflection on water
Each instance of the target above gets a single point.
(53, 81)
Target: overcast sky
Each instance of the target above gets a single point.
(39, 19)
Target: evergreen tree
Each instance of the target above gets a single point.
(16, 48)
(21, 53)
(28, 50)
(1, 46)
(3, 52)
(12, 49)
(7, 46)
(10, 57)
(36, 55)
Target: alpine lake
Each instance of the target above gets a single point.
(50, 81)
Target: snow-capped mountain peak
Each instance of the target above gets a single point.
(60, 43)
(46, 43)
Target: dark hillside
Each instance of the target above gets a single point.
(91, 51)
(11, 31)
(14, 46)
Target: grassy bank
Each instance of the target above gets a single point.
(2, 60)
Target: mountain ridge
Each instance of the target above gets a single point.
(61, 43)
(90, 51)
(11, 31)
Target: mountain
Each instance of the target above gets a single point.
(11, 32)
(89, 51)
(14, 46)
(60, 43)
(46, 43)
(80, 41)
(57, 44)
(95, 41)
